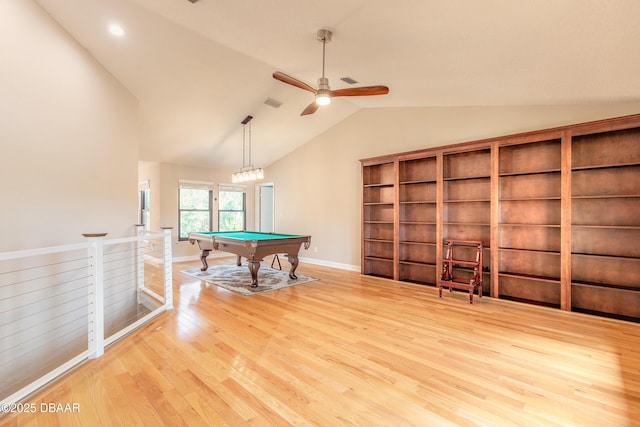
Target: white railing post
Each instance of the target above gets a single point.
(168, 269)
(139, 260)
(96, 294)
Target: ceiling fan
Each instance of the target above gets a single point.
(324, 93)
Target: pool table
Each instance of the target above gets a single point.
(252, 245)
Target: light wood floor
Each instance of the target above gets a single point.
(355, 350)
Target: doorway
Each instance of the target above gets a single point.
(265, 211)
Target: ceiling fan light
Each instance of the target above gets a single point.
(323, 99)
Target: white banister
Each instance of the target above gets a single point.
(96, 294)
(168, 268)
(40, 251)
(140, 260)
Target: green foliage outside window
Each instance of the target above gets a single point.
(231, 211)
(195, 211)
(192, 198)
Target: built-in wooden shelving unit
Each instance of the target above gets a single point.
(529, 221)
(378, 212)
(466, 204)
(605, 218)
(417, 220)
(557, 212)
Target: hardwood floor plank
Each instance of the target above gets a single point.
(138, 406)
(188, 414)
(268, 409)
(207, 412)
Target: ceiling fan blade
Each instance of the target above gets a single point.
(361, 91)
(311, 108)
(294, 82)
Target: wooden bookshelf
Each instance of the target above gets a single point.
(417, 220)
(557, 212)
(530, 216)
(605, 204)
(378, 212)
(467, 200)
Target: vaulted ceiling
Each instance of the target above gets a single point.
(198, 69)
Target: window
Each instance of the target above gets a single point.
(231, 208)
(195, 201)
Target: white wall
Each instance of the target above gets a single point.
(318, 187)
(68, 137)
(68, 165)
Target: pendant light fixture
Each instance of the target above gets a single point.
(247, 172)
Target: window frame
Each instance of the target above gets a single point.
(233, 189)
(194, 185)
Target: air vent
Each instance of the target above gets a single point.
(273, 103)
(348, 80)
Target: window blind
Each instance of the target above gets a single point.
(199, 185)
(236, 188)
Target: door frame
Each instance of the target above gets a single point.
(258, 211)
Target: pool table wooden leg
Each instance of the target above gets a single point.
(203, 258)
(293, 260)
(254, 266)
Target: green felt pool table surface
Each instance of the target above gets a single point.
(248, 235)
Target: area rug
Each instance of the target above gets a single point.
(238, 278)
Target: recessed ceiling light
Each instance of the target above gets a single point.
(116, 30)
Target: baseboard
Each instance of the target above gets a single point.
(330, 264)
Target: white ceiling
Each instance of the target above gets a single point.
(199, 69)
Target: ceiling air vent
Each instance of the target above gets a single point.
(271, 102)
(348, 80)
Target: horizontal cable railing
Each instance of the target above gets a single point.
(62, 305)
